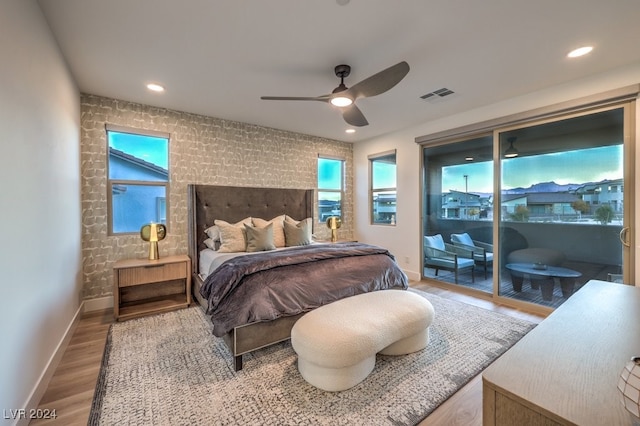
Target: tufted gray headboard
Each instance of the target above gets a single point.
(233, 203)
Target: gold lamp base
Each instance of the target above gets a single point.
(334, 223)
(153, 250)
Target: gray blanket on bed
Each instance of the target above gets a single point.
(264, 287)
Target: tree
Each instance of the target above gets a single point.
(580, 206)
(521, 214)
(604, 214)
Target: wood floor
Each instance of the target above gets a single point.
(71, 389)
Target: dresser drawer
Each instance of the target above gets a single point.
(151, 274)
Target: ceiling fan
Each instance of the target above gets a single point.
(345, 98)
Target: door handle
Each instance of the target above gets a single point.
(623, 236)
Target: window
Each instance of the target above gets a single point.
(383, 188)
(138, 178)
(330, 186)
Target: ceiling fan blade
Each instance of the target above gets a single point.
(323, 98)
(380, 82)
(354, 116)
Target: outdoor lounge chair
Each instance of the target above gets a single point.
(482, 252)
(440, 255)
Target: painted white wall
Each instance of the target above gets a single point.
(404, 239)
(40, 220)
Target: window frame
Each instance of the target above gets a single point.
(379, 157)
(338, 191)
(127, 182)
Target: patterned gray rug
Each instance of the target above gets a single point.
(169, 369)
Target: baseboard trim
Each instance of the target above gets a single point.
(412, 275)
(98, 304)
(43, 382)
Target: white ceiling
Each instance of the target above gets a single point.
(217, 58)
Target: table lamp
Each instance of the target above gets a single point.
(153, 232)
(333, 223)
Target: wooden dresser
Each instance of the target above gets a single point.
(566, 370)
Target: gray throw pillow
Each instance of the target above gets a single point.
(259, 239)
(297, 234)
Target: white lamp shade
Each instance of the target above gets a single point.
(629, 386)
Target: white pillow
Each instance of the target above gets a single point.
(232, 236)
(278, 228)
(210, 243)
(213, 232)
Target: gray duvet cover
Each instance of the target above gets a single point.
(270, 285)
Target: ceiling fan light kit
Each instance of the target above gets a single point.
(341, 101)
(345, 97)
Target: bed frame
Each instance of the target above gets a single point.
(232, 204)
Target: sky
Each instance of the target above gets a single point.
(149, 148)
(585, 165)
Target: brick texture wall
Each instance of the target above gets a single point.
(203, 150)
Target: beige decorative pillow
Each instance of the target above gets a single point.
(232, 236)
(278, 228)
(259, 239)
(298, 234)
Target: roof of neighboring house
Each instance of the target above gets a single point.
(551, 197)
(511, 197)
(461, 193)
(138, 161)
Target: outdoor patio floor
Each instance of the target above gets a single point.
(589, 271)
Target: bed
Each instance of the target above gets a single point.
(237, 285)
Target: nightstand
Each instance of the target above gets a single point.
(143, 287)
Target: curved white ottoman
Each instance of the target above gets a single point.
(337, 343)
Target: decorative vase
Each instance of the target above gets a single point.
(629, 387)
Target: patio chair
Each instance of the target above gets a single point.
(482, 252)
(440, 255)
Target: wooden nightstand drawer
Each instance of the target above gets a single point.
(151, 273)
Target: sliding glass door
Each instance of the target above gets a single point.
(562, 206)
(531, 212)
(458, 203)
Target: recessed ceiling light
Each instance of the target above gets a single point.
(155, 87)
(580, 51)
(350, 131)
(468, 158)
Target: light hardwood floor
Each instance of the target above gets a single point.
(72, 386)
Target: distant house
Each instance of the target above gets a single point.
(551, 203)
(134, 203)
(604, 192)
(461, 205)
(384, 207)
(509, 202)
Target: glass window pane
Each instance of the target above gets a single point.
(561, 207)
(383, 194)
(138, 157)
(329, 204)
(329, 173)
(458, 200)
(136, 205)
(384, 207)
(383, 172)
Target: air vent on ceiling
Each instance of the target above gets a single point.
(437, 94)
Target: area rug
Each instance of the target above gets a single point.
(169, 369)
